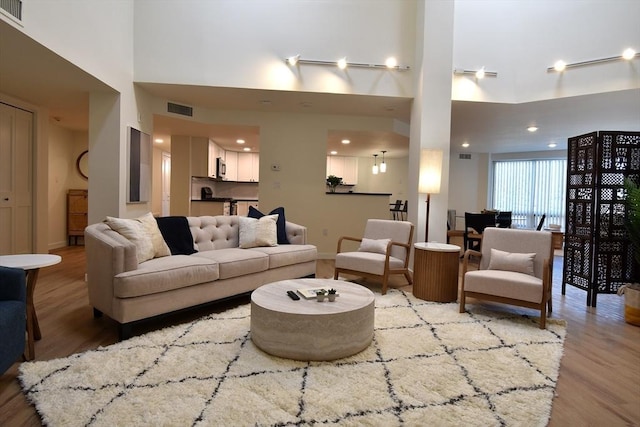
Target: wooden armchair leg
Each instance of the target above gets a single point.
(462, 302)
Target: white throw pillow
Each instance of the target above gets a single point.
(374, 245)
(258, 232)
(143, 233)
(150, 225)
(520, 263)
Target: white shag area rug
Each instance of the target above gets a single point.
(427, 365)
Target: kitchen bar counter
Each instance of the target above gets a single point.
(358, 194)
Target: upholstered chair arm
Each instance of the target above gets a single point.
(353, 239)
(465, 260)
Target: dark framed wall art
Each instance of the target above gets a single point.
(139, 171)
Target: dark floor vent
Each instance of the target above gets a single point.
(12, 7)
(465, 156)
(179, 109)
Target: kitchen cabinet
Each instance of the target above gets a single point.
(204, 153)
(243, 207)
(231, 159)
(343, 167)
(77, 209)
(248, 167)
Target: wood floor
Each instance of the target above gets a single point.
(599, 383)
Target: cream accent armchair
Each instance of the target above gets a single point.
(384, 250)
(515, 268)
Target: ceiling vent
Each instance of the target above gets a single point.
(178, 109)
(12, 7)
(465, 156)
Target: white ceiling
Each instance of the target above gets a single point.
(36, 75)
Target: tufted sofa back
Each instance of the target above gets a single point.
(214, 232)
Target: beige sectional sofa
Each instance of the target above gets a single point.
(129, 291)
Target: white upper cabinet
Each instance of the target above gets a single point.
(231, 159)
(248, 167)
(343, 167)
(204, 153)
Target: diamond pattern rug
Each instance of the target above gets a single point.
(427, 365)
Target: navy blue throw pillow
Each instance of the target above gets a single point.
(280, 223)
(176, 232)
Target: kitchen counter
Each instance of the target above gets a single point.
(358, 194)
(215, 199)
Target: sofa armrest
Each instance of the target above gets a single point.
(108, 254)
(296, 234)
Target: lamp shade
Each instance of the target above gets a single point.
(430, 171)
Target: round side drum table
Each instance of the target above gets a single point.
(435, 271)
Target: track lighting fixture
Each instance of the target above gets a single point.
(561, 66)
(479, 74)
(390, 64)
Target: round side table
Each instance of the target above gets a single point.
(435, 271)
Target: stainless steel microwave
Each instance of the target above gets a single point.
(221, 168)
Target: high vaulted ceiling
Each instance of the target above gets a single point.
(34, 74)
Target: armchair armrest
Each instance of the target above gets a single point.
(467, 255)
(353, 239)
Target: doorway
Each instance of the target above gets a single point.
(166, 183)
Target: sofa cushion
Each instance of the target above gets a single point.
(234, 262)
(164, 274)
(280, 256)
(281, 223)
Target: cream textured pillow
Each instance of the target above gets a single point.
(143, 233)
(160, 247)
(258, 232)
(520, 263)
(134, 231)
(374, 245)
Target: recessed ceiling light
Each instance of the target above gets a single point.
(552, 145)
(240, 141)
(159, 140)
(246, 149)
(532, 128)
(333, 153)
(465, 144)
(346, 141)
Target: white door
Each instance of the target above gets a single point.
(166, 183)
(16, 180)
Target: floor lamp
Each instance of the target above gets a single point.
(430, 178)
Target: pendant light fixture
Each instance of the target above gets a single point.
(383, 165)
(375, 165)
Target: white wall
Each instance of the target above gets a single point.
(243, 44)
(520, 39)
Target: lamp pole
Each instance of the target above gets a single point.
(426, 226)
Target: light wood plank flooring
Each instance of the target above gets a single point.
(599, 382)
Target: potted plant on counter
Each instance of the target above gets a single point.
(333, 181)
(631, 291)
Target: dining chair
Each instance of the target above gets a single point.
(503, 219)
(396, 209)
(474, 225)
(541, 223)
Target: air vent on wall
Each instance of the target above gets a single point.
(179, 109)
(465, 156)
(12, 7)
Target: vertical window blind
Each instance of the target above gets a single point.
(530, 189)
